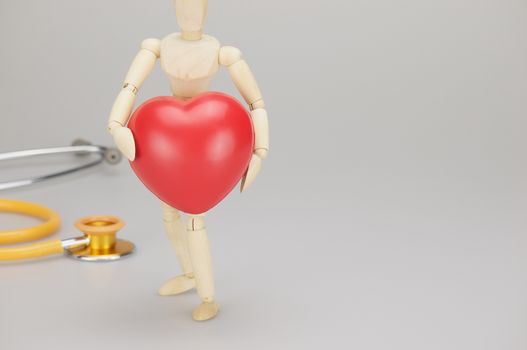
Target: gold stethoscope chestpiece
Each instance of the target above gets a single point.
(100, 241)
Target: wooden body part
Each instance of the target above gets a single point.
(190, 59)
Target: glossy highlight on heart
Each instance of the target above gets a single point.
(191, 153)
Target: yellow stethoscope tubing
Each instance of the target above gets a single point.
(49, 226)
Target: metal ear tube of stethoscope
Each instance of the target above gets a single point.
(79, 147)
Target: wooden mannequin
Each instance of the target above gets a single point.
(190, 59)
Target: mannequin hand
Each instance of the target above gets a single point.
(261, 128)
(252, 170)
(124, 139)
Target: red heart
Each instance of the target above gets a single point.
(191, 154)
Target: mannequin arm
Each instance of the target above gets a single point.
(141, 67)
(245, 82)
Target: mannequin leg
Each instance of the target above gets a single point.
(201, 261)
(177, 234)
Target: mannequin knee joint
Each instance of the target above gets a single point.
(195, 223)
(170, 214)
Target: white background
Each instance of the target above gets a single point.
(390, 214)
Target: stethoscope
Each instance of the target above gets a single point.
(99, 240)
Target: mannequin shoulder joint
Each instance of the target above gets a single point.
(153, 45)
(229, 55)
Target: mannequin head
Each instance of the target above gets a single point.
(190, 15)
